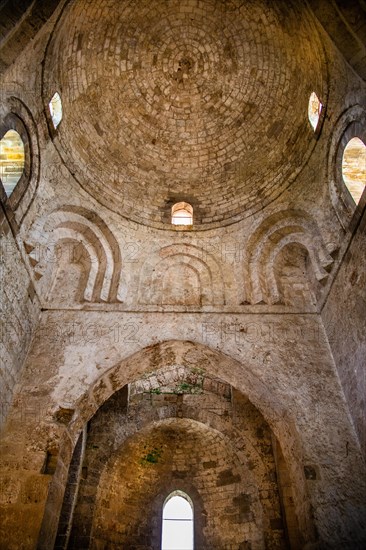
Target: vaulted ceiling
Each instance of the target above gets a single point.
(169, 102)
(204, 104)
(344, 20)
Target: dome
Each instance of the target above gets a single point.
(204, 102)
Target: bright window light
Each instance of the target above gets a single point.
(354, 167)
(314, 110)
(55, 107)
(11, 160)
(177, 531)
(182, 214)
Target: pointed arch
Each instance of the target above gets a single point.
(195, 355)
(178, 522)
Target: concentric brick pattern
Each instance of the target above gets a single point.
(197, 100)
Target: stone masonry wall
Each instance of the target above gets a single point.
(124, 294)
(297, 392)
(19, 315)
(344, 317)
(191, 458)
(179, 395)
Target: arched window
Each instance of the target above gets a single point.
(11, 160)
(354, 167)
(182, 214)
(177, 533)
(314, 110)
(55, 107)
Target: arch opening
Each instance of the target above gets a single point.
(187, 355)
(12, 159)
(182, 214)
(55, 107)
(354, 167)
(177, 530)
(314, 110)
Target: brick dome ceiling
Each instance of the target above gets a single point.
(180, 100)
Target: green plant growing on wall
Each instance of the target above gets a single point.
(185, 387)
(152, 457)
(156, 391)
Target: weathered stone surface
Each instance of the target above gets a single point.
(115, 425)
(344, 316)
(19, 316)
(226, 359)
